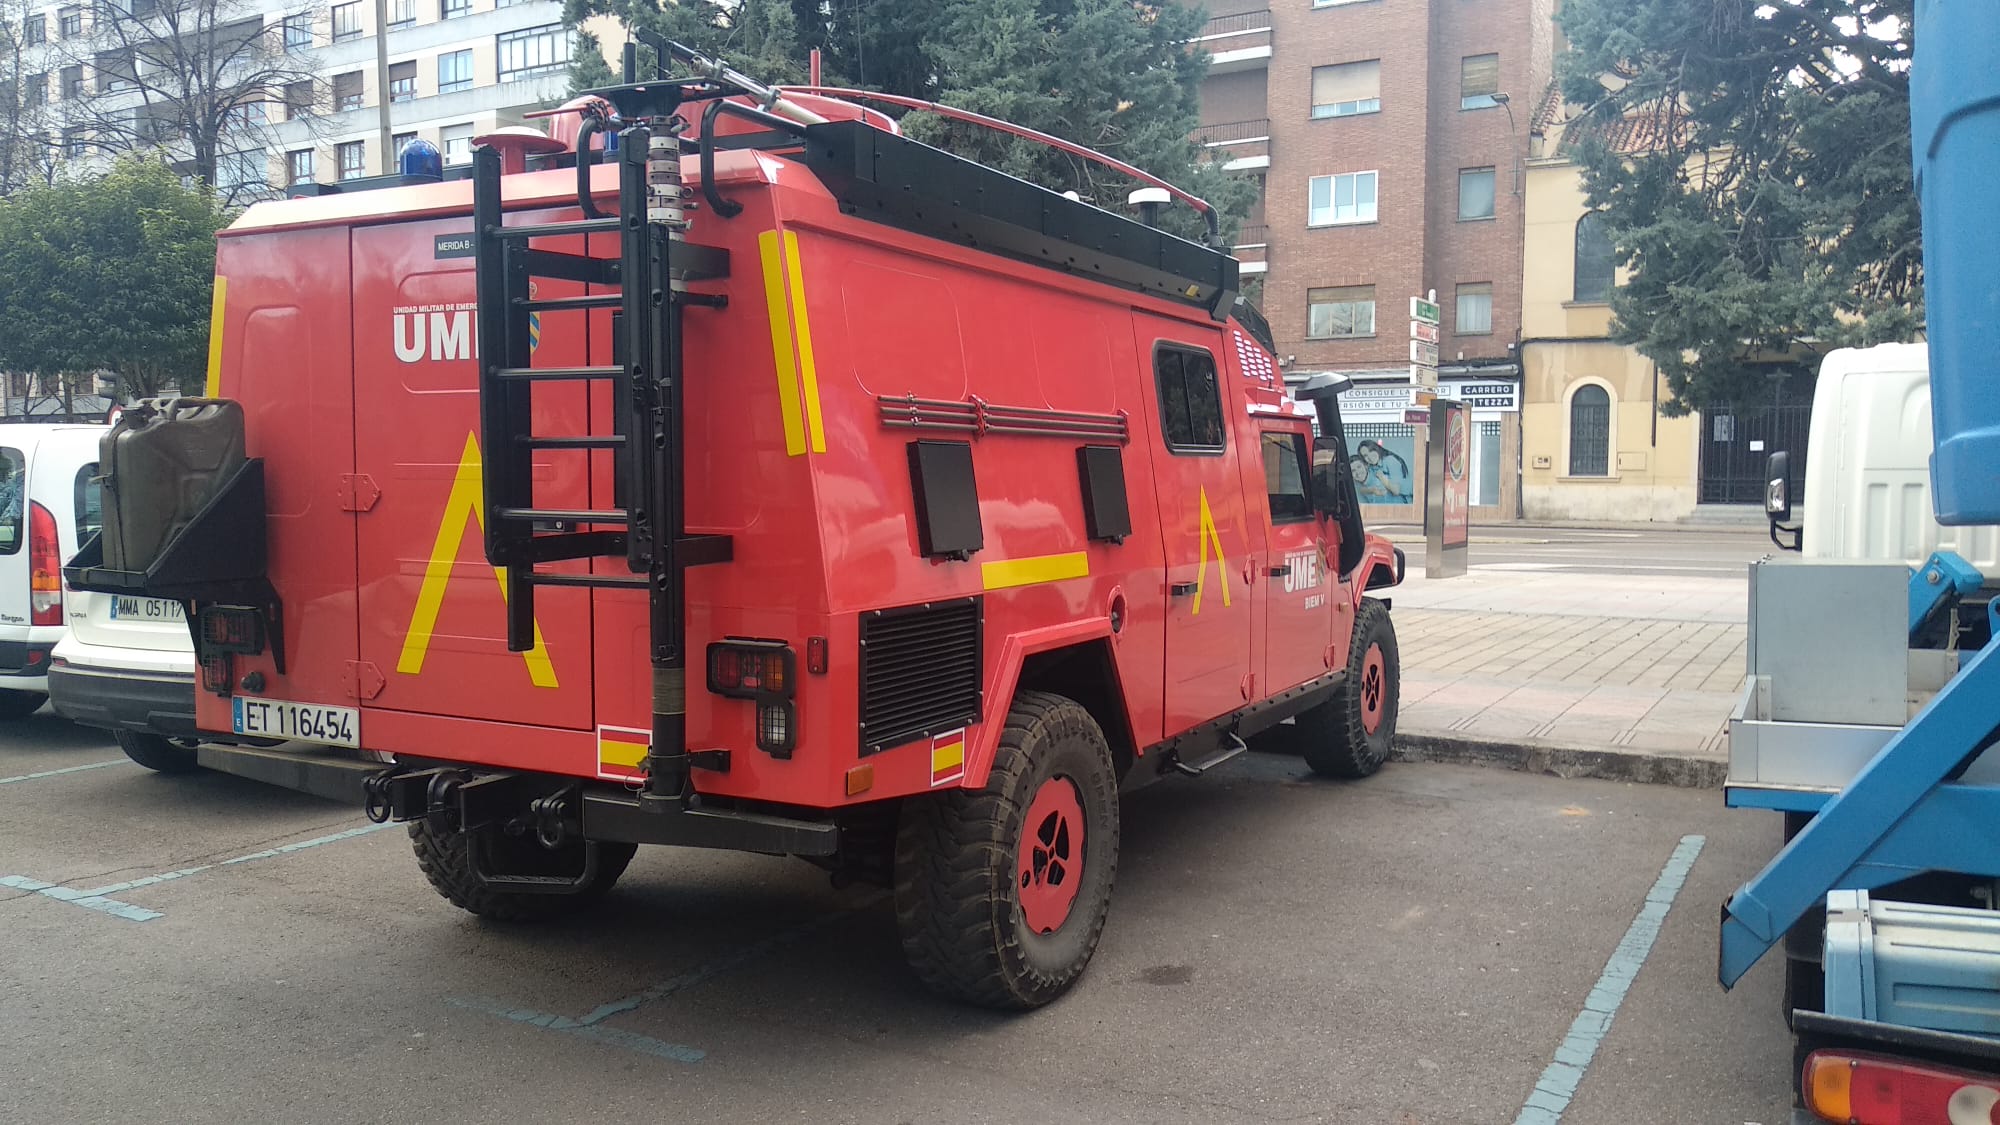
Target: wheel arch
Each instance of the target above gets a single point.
(1073, 660)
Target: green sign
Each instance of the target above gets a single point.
(1426, 311)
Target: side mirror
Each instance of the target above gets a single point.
(1329, 486)
(1778, 487)
(1778, 500)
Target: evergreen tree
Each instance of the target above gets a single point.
(1775, 212)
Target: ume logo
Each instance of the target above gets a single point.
(1301, 571)
(435, 332)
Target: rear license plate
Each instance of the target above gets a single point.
(146, 609)
(303, 722)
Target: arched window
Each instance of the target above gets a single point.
(1590, 432)
(1593, 259)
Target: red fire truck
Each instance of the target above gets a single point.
(764, 480)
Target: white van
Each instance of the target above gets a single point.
(127, 666)
(1868, 471)
(48, 505)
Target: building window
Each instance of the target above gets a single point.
(69, 22)
(72, 81)
(237, 170)
(1590, 432)
(1475, 309)
(1475, 193)
(299, 167)
(1340, 313)
(349, 91)
(75, 141)
(402, 13)
(1347, 198)
(298, 99)
(347, 21)
(455, 71)
(532, 51)
(1285, 477)
(116, 70)
(396, 144)
(353, 159)
(1190, 399)
(298, 32)
(1347, 89)
(403, 82)
(1594, 263)
(450, 8)
(1478, 81)
(37, 91)
(456, 140)
(35, 31)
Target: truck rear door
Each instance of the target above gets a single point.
(1208, 612)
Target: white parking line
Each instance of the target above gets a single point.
(64, 770)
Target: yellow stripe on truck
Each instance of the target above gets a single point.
(771, 251)
(212, 388)
(1033, 571)
(802, 329)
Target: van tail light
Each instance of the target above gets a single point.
(1860, 1089)
(45, 601)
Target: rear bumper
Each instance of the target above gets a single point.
(115, 699)
(24, 664)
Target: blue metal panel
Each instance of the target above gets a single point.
(1844, 846)
(1779, 800)
(1942, 580)
(1955, 134)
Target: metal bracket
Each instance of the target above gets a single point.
(358, 492)
(362, 680)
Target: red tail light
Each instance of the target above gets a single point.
(1861, 1089)
(44, 567)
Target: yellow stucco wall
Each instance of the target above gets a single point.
(1654, 459)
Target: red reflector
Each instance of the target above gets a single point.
(44, 568)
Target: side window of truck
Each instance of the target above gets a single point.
(1190, 399)
(13, 470)
(1285, 478)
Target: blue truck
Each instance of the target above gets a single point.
(1874, 696)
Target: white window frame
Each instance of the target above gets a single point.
(1458, 309)
(1373, 308)
(536, 51)
(1333, 208)
(456, 84)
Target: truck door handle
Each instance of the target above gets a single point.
(1180, 589)
(1283, 571)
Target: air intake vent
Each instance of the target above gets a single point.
(920, 672)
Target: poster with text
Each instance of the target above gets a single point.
(1457, 474)
(1382, 469)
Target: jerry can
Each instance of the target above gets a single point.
(160, 464)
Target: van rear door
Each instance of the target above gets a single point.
(13, 547)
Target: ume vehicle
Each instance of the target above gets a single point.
(773, 482)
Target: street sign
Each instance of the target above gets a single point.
(1428, 333)
(1426, 311)
(1421, 397)
(1423, 376)
(1417, 416)
(1426, 354)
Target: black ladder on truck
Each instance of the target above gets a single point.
(650, 273)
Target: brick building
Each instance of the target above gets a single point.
(1391, 138)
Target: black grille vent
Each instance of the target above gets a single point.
(920, 672)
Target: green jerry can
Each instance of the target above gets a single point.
(160, 465)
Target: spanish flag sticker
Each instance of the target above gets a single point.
(621, 753)
(948, 757)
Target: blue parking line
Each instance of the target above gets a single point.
(1558, 1084)
(64, 770)
(98, 898)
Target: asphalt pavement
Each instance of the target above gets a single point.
(1433, 946)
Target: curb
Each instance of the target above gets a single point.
(1556, 760)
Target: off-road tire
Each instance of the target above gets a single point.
(958, 899)
(446, 861)
(156, 753)
(1334, 736)
(20, 704)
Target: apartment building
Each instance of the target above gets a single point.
(96, 80)
(1391, 138)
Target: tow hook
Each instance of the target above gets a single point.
(552, 817)
(376, 805)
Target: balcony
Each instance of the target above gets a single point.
(1252, 248)
(1237, 42)
(1240, 145)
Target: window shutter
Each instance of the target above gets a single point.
(1479, 74)
(1347, 82)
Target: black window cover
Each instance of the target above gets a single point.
(1190, 399)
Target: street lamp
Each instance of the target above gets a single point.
(1501, 99)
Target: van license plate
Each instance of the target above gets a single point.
(303, 722)
(146, 609)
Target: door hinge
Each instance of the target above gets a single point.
(362, 679)
(1250, 686)
(358, 492)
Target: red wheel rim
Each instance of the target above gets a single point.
(1050, 870)
(1374, 689)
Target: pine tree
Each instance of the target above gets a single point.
(1775, 218)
